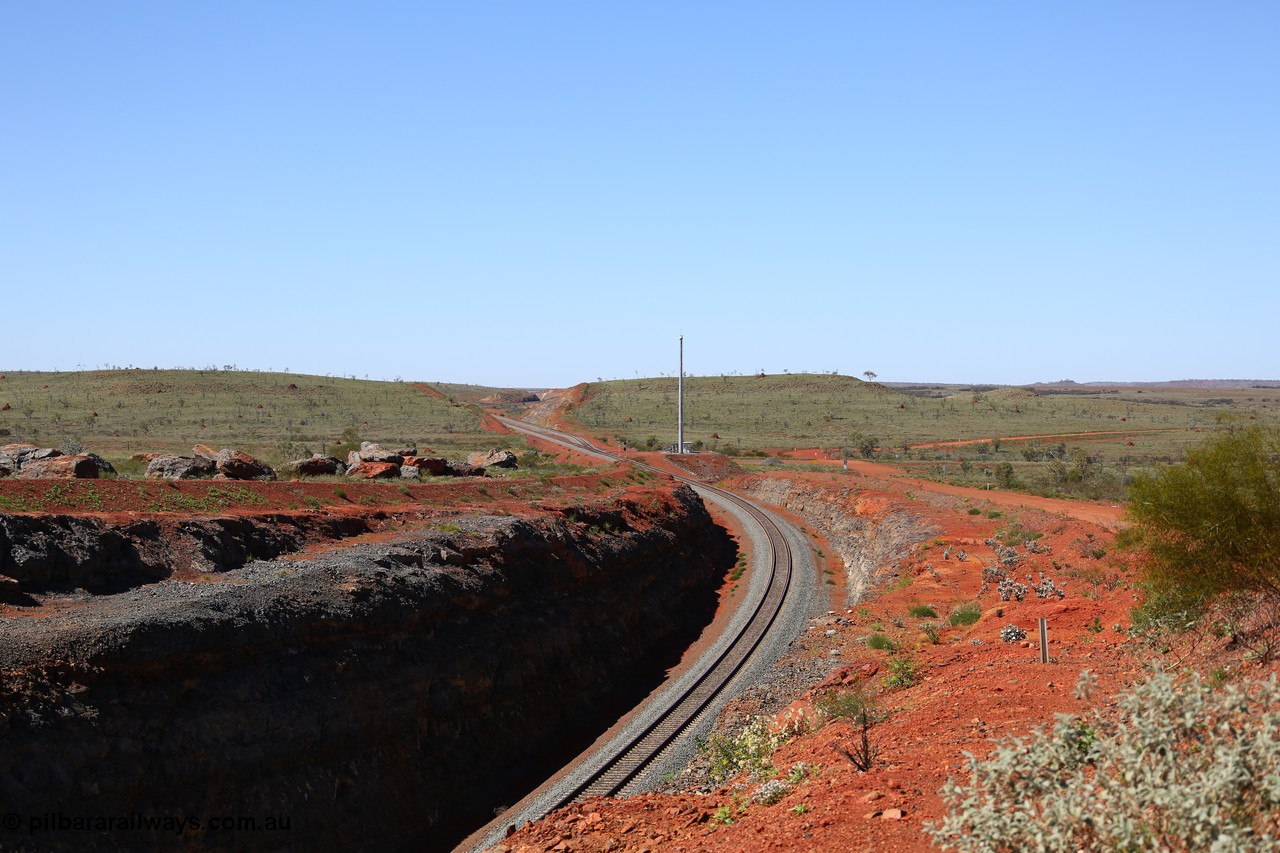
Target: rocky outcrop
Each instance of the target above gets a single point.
(80, 467)
(371, 452)
(319, 465)
(180, 467)
(494, 458)
(27, 461)
(374, 470)
(104, 467)
(204, 462)
(870, 536)
(236, 465)
(58, 552)
(435, 465)
(366, 695)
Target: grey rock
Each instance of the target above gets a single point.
(60, 468)
(494, 459)
(319, 465)
(372, 452)
(179, 468)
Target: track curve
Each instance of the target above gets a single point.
(631, 757)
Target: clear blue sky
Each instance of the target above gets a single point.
(540, 193)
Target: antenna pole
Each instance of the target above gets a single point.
(680, 402)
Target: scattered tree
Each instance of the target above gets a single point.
(1212, 524)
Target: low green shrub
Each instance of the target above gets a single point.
(1181, 766)
(902, 673)
(924, 611)
(846, 704)
(880, 643)
(750, 750)
(966, 614)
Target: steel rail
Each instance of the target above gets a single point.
(630, 758)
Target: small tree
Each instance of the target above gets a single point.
(870, 374)
(1211, 525)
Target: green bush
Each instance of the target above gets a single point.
(1210, 525)
(1181, 767)
(880, 643)
(846, 704)
(750, 749)
(902, 672)
(923, 611)
(966, 614)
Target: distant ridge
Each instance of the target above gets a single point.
(1173, 383)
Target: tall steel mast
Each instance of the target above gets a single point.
(680, 402)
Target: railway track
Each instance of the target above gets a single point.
(627, 760)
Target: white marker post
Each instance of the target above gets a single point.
(1044, 640)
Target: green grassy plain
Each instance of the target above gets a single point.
(740, 414)
(276, 416)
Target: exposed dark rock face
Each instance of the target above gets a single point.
(318, 465)
(365, 695)
(51, 552)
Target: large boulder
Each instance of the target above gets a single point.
(203, 451)
(371, 452)
(236, 465)
(179, 468)
(104, 467)
(319, 465)
(463, 469)
(14, 456)
(60, 467)
(495, 458)
(374, 470)
(408, 472)
(436, 465)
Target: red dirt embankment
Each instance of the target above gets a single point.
(1078, 436)
(1097, 512)
(969, 687)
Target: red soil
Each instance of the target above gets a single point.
(1104, 513)
(966, 696)
(1079, 436)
